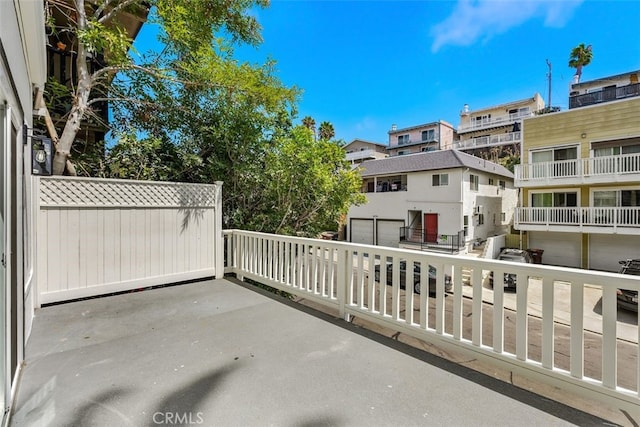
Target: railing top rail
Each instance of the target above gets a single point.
(565, 274)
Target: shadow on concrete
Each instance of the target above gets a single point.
(88, 412)
(187, 401)
(531, 399)
(625, 316)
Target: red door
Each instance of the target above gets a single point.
(430, 227)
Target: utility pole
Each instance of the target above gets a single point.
(549, 78)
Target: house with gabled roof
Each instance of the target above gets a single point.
(440, 199)
(359, 150)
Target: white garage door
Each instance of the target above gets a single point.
(362, 231)
(389, 232)
(559, 248)
(605, 250)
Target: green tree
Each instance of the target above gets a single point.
(310, 124)
(308, 186)
(580, 56)
(189, 25)
(326, 131)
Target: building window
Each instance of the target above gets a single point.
(428, 135)
(616, 198)
(480, 219)
(491, 181)
(439, 180)
(554, 200)
(502, 184)
(473, 182)
(403, 139)
(403, 152)
(503, 216)
(466, 225)
(564, 162)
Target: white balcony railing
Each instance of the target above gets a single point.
(598, 219)
(361, 155)
(494, 121)
(622, 167)
(339, 275)
(492, 140)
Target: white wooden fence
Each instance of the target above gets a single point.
(98, 236)
(473, 320)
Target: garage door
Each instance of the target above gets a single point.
(559, 248)
(362, 231)
(605, 250)
(389, 232)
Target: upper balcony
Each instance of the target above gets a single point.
(368, 154)
(489, 141)
(491, 122)
(604, 95)
(591, 170)
(593, 220)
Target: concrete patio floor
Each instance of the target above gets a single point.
(217, 353)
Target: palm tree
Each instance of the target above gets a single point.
(580, 56)
(310, 124)
(326, 131)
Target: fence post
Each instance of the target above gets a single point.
(218, 243)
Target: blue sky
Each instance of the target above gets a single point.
(365, 65)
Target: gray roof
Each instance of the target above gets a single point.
(433, 160)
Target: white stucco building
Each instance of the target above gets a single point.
(434, 197)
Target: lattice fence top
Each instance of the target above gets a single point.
(116, 193)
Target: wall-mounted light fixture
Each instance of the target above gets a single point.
(583, 135)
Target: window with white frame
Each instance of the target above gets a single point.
(616, 198)
(473, 182)
(491, 181)
(403, 139)
(502, 184)
(439, 180)
(554, 199)
(563, 158)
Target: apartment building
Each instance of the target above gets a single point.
(580, 177)
(432, 136)
(437, 198)
(359, 150)
(489, 132)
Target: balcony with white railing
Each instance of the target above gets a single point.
(140, 357)
(489, 141)
(486, 123)
(590, 170)
(367, 154)
(594, 220)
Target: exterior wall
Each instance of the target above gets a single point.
(96, 236)
(358, 145)
(613, 120)
(534, 103)
(443, 137)
(581, 127)
(618, 81)
(450, 202)
(22, 68)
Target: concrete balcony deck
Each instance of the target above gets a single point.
(221, 353)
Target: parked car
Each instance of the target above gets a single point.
(627, 298)
(448, 285)
(513, 255)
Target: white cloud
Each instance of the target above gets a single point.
(474, 20)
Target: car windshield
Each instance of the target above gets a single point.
(511, 258)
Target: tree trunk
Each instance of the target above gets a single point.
(80, 100)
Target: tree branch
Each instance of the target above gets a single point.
(113, 11)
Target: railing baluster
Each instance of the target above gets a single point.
(457, 301)
(547, 323)
(476, 331)
(609, 339)
(498, 310)
(360, 281)
(577, 330)
(522, 316)
(439, 298)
